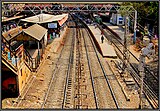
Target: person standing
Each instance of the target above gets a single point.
(102, 38)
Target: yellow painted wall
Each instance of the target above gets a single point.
(23, 78)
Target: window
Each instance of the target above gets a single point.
(120, 22)
(21, 72)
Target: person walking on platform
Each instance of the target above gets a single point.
(102, 38)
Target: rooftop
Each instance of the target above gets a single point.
(40, 31)
(44, 18)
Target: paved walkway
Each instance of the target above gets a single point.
(106, 49)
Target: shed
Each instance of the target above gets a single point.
(36, 31)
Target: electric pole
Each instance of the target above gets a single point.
(125, 50)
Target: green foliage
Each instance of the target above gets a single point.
(147, 10)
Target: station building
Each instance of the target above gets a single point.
(15, 72)
(23, 48)
(54, 23)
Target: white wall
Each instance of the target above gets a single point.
(45, 38)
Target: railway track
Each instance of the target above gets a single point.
(98, 76)
(150, 90)
(28, 95)
(80, 91)
(70, 81)
(60, 89)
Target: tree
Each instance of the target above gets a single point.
(147, 12)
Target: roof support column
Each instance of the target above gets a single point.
(43, 45)
(135, 22)
(38, 52)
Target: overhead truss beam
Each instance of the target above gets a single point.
(96, 8)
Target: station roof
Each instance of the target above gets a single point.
(44, 18)
(4, 19)
(36, 31)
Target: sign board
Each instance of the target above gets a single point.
(52, 25)
(120, 18)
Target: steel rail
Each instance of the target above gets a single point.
(79, 55)
(32, 79)
(112, 92)
(105, 75)
(113, 42)
(24, 92)
(147, 89)
(90, 70)
(91, 75)
(68, 71)
(50, 84)
(132, 54)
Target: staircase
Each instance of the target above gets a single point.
(13, 59)
(8, 56)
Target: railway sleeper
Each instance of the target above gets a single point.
(77, 58)
(80, 78)
(69, 87)
(68, 103)
(67, 107)
(68, 100)
(68, 94)
(82, 106)
(81, 86)
(82, 68)
(77, 63)
(69, 90)
(80, 75)
(77, 69)
(69, 83)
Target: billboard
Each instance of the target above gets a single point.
(52, 25)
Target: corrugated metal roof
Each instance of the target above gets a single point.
(44, 18)
(36, 31)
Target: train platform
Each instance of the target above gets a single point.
(117, 30)
(106, 49)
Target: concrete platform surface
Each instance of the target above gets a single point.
(106, 49)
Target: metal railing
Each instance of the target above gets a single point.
(8, 54)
